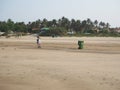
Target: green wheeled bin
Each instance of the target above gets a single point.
(80, 44)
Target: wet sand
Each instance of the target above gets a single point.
(59, 65)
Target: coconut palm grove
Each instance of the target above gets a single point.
(60, 27)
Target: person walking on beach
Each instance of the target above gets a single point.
(38, 42)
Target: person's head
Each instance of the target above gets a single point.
(38, 36)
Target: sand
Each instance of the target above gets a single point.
(59, 65)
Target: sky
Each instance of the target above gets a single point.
(32, 10)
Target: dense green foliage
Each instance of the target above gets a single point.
(60, 27)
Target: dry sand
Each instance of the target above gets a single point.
(59, 65)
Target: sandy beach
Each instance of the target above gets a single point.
(59, 64)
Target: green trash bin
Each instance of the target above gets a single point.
(80, 44)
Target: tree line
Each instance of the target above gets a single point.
(59, 27)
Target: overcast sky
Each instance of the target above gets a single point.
(31, 10)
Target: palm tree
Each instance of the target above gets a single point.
(59, 23)
(77, 26)
(107, 25)
(65, 23)
(38, 23)
(72, 25)
(10, 25)
(89, 21)
(44, 22)
(54, 22)
(96, 23)
(83, 26)
(102, 24)
(89, 25)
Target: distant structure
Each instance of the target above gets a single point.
(115, 30)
